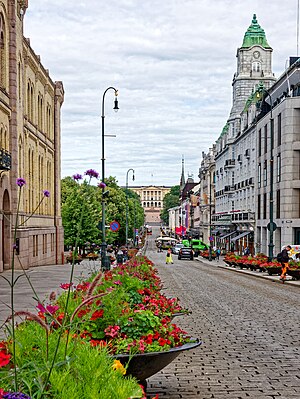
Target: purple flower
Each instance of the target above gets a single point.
(14, 246)
(15, 395)
(92, 173)
(20, 182)
(77, 177)
(46, 193)
(102, 184)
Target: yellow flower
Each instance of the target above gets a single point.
(117, 365)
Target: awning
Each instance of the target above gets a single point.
(215, 232)
(228, 234)
(241, 235)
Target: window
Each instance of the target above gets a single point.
(272, 130)
(256, 66)
(266, 139)
(259, 142)
(279, 129)
(265, 206)
(278, 168)
(278, 204)
(265, 173)
(258, 206)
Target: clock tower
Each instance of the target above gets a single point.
(254, 65)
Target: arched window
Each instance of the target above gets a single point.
(28, 100)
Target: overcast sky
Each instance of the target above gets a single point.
(171, 60)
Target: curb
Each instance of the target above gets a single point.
(253, 274)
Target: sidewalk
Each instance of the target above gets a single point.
(45, 279)
(264, 275)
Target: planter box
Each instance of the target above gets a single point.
(295, 273)
(273, 270)
(144, 365)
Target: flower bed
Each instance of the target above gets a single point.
(119, 312)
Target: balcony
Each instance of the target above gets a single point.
(243, 217)
(228, 189)
(5, 160)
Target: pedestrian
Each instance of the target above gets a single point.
(169, 258)
(246, 251)
(283, 258)
(218, 253)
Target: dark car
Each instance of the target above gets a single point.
(186, 253)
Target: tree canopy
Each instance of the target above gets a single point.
(84, 201)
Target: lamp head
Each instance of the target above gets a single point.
(116, 107)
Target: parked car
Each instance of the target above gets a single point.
(176, 248)
(186, 253)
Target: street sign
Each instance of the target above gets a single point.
(114, 226)
(211, 238)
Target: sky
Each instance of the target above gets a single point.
(172, 62)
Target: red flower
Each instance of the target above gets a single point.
(97, 314)
(66, 286)
(4, 358)
(98, 342)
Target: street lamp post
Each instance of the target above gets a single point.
(126, 192)
(210, 242)
(105, 263)
(271, 226)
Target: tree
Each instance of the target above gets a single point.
(171, 200)
(87, 198)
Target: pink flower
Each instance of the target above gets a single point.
(117, 282)
(48, 309)
(112, 331)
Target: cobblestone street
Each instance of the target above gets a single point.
(249, 328)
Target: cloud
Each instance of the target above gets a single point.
(173, 63)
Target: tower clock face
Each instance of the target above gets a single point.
(256, 54)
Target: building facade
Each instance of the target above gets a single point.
(30, 148)
(235, 149)
(152, 200)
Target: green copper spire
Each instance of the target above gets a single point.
(255, 35)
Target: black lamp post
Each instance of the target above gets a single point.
(210, 241)
(105, 262)
(126, 191)
(271, 225)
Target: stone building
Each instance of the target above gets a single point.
(152, 200)
(29, 148)
(278, 163)
(235, 159)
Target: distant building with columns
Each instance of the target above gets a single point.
(152, 200)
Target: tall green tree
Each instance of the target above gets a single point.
(171, 200)
(75, 196)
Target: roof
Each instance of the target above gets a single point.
(255, 35)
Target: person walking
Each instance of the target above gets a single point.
(284, 260)
(218, 253)
(169, 258)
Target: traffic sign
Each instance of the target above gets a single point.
(211, 238)
(114, 226)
